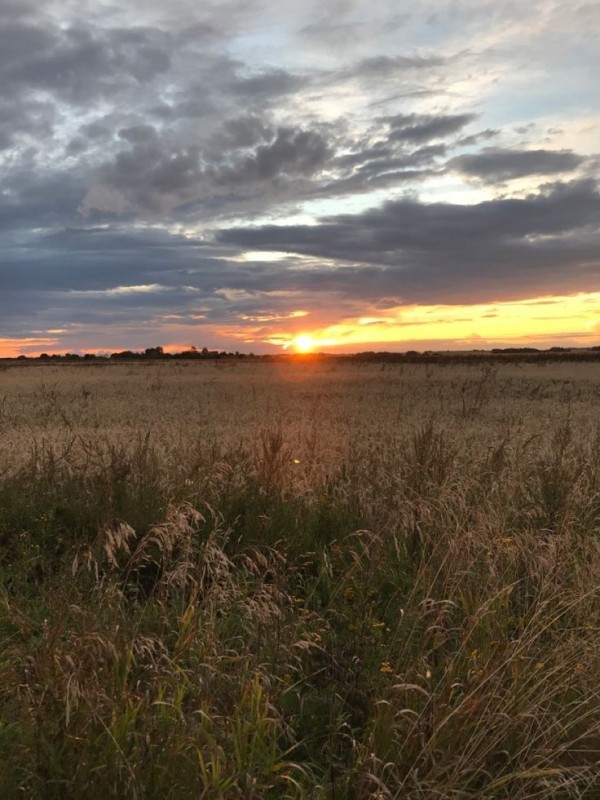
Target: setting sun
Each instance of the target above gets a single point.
(303, 343)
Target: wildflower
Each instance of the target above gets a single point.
(386, 668)
(296, 461)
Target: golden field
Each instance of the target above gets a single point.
(300, 580)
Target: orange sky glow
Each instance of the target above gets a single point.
(549, 320)
(544, 321)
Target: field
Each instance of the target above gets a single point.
(307, 580)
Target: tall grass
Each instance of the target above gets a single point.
(347, 584)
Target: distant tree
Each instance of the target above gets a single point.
(154, 352)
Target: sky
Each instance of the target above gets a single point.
(338, 175)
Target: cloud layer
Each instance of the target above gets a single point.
(226, 174)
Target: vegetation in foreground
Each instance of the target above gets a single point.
(304, 582)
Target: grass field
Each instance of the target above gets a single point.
(300, 581)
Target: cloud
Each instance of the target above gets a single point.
(292, 152)
(77, 63)
(392, 66)
(420, 128)
(270, 84)
(440, 251)
(156, 174)
(494, 165)
(138, 145)
(243, 132)
(401, 252)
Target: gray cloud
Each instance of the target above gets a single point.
(292, 152)
(442, 251)
(270, 84)
(418, 128)
(493, 165)
(78, 63)
(403, 251)
(120, 125)
(392, 66)
(243, 132)
(157, 174)
(33, 118)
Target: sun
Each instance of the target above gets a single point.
(303, 343)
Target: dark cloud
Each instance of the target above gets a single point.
(95, 130)
(34, 198)
(243, 132)
(293, 152)
(433, 252)
(270, 84)
(403, 251)
(152, 175)
(418, 128)
(27, 117)
(475, 138)
(138, 134)
(504, 165)
(78, 63)
(16, 9)
(155, 174)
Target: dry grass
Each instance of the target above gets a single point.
(306, 581)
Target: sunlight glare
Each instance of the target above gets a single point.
(303, 343)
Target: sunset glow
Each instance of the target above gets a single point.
(571, 320)
(298, 177)
(567, 320)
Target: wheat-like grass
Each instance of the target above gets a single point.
(305, 580)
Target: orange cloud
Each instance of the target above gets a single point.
(11, 348)
(574, 317)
